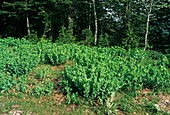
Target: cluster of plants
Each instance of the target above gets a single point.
(18, 58)
(96, 73)
(99, 72)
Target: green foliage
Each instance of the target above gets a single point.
(21, 84)
(22, 59)
(19, 56)
(124, 21)
(103, 41)
(89, 83)
(55, 54)
(42, 88)
(11, 41)
(33, 38)
(96, 73)
(6, 82)
(150, 106)
(87, 37)
(131, 41)
(65, 36)
(42, 73)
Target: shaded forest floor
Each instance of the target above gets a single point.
(13, 103)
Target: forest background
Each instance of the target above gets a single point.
(125, 23)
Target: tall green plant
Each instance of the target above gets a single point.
(65, 36)
(103, 40)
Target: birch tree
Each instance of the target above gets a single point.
(95, 22)
(150, 6)
(27, 19)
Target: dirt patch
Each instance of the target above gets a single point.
(164, 102)
(143, 94)
(59, 98)
(62, 66)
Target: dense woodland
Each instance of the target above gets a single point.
(127, 23)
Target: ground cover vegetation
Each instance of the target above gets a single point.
(87, 75)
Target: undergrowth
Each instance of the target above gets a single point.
(96, 74)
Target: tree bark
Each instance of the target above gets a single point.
(27, 19)
(95, 21)
(70, 25)
(147, 24)
(128, 24)
(87, 38)
(47, 28)
(90, 17)
(28, 26)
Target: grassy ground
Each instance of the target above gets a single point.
(41, 106)
(145, 102)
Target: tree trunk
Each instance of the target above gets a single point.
(90, 17)
(147, 24)
(70, 25)
(87, 37)
(47, 28)
(128, 24)
(28, 26)
(95, 21)
(27, 19)
(129, 16)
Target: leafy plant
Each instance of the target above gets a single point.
(42, 73)
(6, 82)
(21, 84)
(94, 75)
(43, 88)
(87, 37)
(65, 36)
(103, 41)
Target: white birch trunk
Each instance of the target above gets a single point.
(147, 24)
(27, 21)
(28, 26)
(95, 21)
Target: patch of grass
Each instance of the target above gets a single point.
(14, 101)
(40, 106)
(123, 103)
